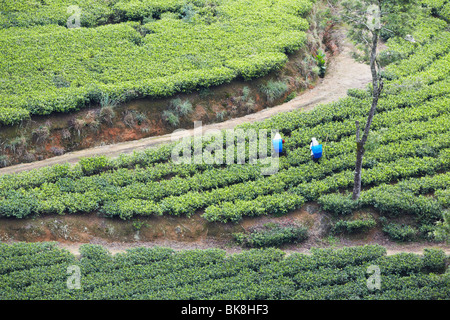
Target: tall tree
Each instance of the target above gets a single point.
(367, 19)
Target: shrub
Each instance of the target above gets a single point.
(445, 12)
(434, 260)
(77, 125)
(272, 235)
(188, 12)
(245, 92)
(65, 134)
(94, 125)
(171, 118)
(315, 71)
(442, 231)
(95, 258)
(274, 90)
(11, 116)
(250, 105)
(28, 204)
(182, 108)
(29, 157)
(320, 60)
(358, 93)
(257, 65)
(60, 82)
(129, 119)
(276, 204)
(354, 226)
(95, 165)
(221, 115)
(402, 264)
(140, 117)
(400, 232)
(338, 204)
(138, 224)
(389, 56)
(41, 134)
(427, 231)
(443, 197)
(106, 100)
(3, 161)
(392, 200)
(107, 114)
(57, 151)
(16, 144)
(145, 129)
(291, 96)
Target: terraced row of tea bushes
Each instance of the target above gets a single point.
(353, 226)
(185, 195)
(426, 29)
(53, 201)
(440, 8)
(160, 273)
(338, 204)
(311, 191)
(435, 72)
(421, 58)
(351, 107)
(310, 175)
(26, 256)
(276, 204)
(150, 156)
(311, 188)
(399, 232)
(411, 129)
(336, 130)
(381, 173)
(156, 156)
(92, 13)
(407, 197)
(386, 139)
(271, 235)
(414, 189)
(174, 55)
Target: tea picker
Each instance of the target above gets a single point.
(316, 150)
(278, 143)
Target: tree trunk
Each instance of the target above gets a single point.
(377, 87)
(358, 169)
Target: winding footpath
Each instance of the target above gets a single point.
(343, 73)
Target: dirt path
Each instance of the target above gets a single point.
(118, 247)
(187, 233)
(343, 73)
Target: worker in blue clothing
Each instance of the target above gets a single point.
(316, 150)
(278, 143)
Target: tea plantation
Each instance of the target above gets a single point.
(127, 49)
(405, 169)
(40, 271)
